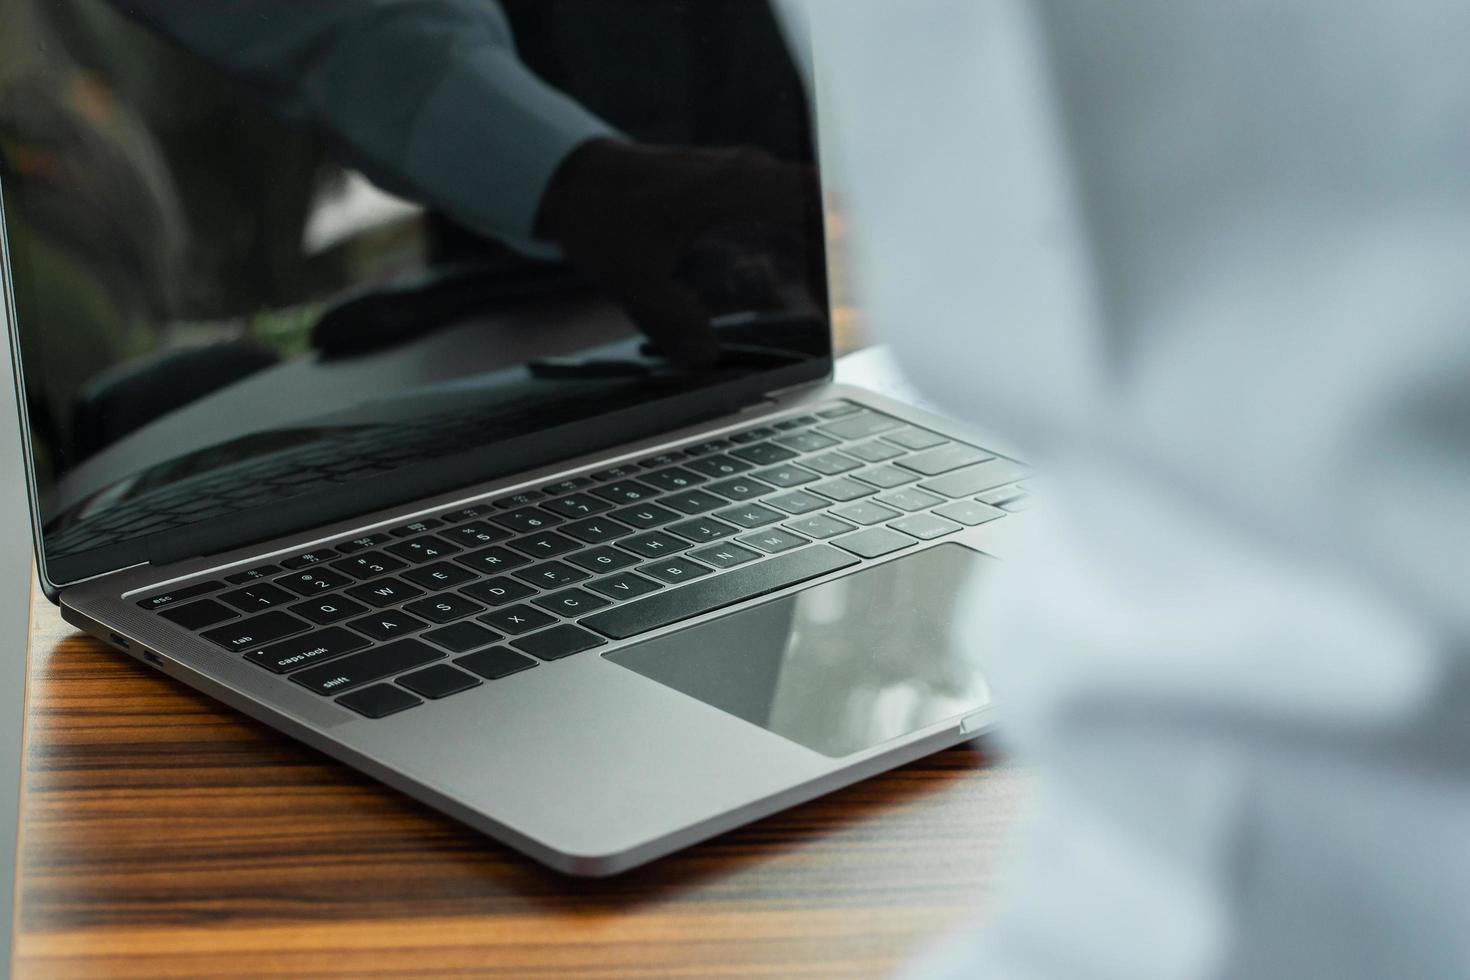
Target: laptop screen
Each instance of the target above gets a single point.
(273, 263)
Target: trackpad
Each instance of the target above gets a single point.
(842, 666)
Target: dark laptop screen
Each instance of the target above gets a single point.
(273, 263)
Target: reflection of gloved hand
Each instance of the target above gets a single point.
(626, 215)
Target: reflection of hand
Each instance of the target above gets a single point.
(626, 215)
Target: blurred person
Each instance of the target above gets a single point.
(1204, 264)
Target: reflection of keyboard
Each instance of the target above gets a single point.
(606, 555)
(329, 459)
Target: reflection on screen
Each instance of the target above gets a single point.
(262, 250)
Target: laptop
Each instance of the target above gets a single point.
(316, 423)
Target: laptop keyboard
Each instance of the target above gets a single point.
(442, 604)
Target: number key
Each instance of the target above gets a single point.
(369, 565)
(314, 581)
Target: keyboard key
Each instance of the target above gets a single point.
(719, 466)
(498, 591)
(357, 669)
(911, 499)
(843, 489)
(969, 513)
(368, 565)
(576, 505)
(492, 560)
(867, 512)
(162, 599)
(314, 581)
(624, 585)
(819, 526)
(885, 477)
(831, 464)
(860, 426)
(571, 602)
(662, 459)
(874, 542)
(331, 609)
(527, 519)
(676, 570)
(646, 516)
(440, 575)
(621, 472)
(570, 486)
(428, 548)
(197, 615)
(309, 649)
(461, 637)
(773, 541)
(839, 410)
(702, 529)
(363, 543)
(976, 479)
(557, 642)
(379, 701)
(913, 437)
(874, 452)
(547, 544)
(654, 544)
(925, 527)
(476, 534)
(388, 625)
(674, 479)
(495, 663)
(596, 530)
(807, 442)
(751, 515)
(942, 459)
(786, 425)
(705, 448)
(438, 681)
(740, 488)
(385, 592)
(694, 501)
(626, 492)
(725, 555)
(797, 502)
(417, 527)
(309, 558)
(254, 597)
(251, 575)
(764, 453)
(523, 499)
(470, 514)
(515, 620)
(787, 476)
(256, 631)
(1001, 497)
(445, 607)
(605, 559)
(551, 574)
(753, 435)
(737, 585)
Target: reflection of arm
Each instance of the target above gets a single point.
(427, 97)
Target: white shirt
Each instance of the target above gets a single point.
(1208, 266)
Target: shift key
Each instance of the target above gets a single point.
(346, 673)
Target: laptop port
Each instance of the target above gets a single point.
(153, 658)
(119, 641)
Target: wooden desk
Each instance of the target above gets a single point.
(165, 835)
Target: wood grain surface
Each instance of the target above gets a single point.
(165, 835)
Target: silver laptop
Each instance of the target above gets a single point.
(449, 388)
